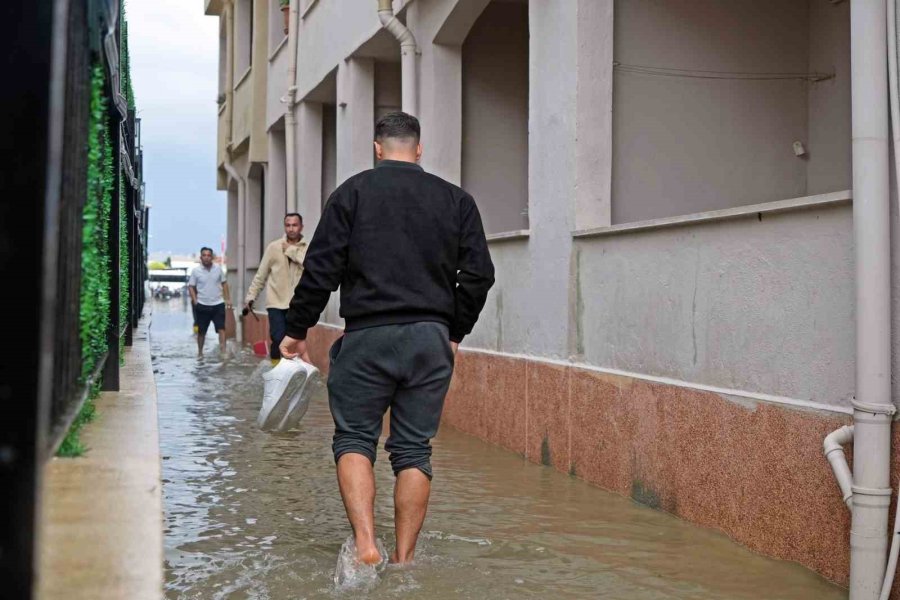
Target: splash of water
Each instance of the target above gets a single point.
(350, 573)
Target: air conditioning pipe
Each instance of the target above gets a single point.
(408, 52)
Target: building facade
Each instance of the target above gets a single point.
(666, 189)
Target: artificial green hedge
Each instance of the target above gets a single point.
(94, 296)
(124, 279)
(95, 276)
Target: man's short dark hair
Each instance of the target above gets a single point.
(207, 248)
(298, 215)
(398, 125)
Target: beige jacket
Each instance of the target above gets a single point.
(280, 271)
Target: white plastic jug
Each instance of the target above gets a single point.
(288, 389)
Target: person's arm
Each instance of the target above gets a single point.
(227, 294)
(324, 265)
(475, 271)
(192, 288)
(259, 280)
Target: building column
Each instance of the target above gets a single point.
(276, 193)
(441, 110)
(309, 163)
(355, 116)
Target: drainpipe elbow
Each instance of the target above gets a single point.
(833, 448)
(396, 28)
(837, 439)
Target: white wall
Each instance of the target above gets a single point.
(277, 84)
(329, 150)
(243, 35)
(254, 217)
(685, 145)
(276, 186)
(829, 101)
(495, 116)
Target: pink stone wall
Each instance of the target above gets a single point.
(756, 473)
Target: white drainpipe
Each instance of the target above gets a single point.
(834, 451)
(408, 51)
(290, 122)
(872, 406)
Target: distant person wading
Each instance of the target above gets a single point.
(409, 253)
(209, 290)
(279, 271)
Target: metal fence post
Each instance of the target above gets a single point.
(34, 56)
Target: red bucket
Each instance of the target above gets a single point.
(261, 348)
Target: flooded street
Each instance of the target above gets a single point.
(257, 515)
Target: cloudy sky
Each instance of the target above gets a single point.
(174, 65)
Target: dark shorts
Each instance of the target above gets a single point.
(205, 314)
(277, 329)
(405, 368)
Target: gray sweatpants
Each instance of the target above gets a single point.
(406, 368)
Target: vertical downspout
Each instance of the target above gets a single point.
(290, 122)
(408, 51)
(872, 406)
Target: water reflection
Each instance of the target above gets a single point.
(257, 515)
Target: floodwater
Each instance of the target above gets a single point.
(256, 515)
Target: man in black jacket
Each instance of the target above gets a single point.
(409, 253)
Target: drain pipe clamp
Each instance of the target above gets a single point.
(875, 409)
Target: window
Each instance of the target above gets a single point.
(710, 101)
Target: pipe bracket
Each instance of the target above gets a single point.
(877, 409)
(866, 491)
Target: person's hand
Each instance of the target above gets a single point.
(284, 246)
(193, 302)
(292, 348)
(228, 305)
(454, 346)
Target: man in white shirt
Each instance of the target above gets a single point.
(209, 292)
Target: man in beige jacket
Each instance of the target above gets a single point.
(279, 271)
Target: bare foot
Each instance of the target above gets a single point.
(368, 555)
(395, 560)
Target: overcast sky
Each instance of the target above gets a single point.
(174, 65)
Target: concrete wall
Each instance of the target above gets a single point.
(329, 32)
(277, 84)
(329, 151)
(242, 36)
(276, 186)
(495, 116)
(762, 305)
(242, 115)
(276, 25)
(828, 163)
(684, 145)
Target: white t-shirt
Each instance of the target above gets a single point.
(209, 284)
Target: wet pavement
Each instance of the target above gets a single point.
(257, 515)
